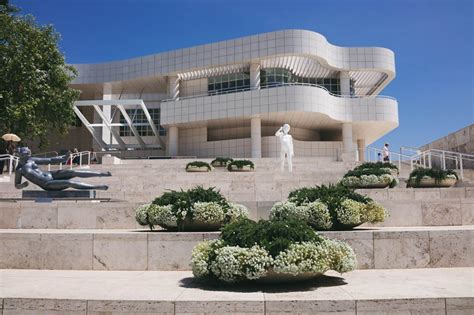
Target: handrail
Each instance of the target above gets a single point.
(277, 85)
(44, 154)
(393, 156)
(81, 163)
(12, 159)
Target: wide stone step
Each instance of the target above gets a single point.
(406, 207)
(380, 248)
(437, 291)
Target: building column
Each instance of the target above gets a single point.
(173, 87)
(256, 136)
(345, 81)
(173, 142)
(347, 143)
(255, 76)
(107, 110)
(361, 149)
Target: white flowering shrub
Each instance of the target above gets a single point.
(208, 212)
(201, 257)
(141, 214)
(288, 210)
(349, 212)
(373, 212)
(303, 257)
(318, 215)
(236, 211)
(343, 258)
(162, 216)
(234, 263)
(369, 180)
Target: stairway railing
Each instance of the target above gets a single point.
(442, 158)
(11, 160)
(372, 155)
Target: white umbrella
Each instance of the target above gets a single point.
(11, 137)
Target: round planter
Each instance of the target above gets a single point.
(245, 168)
(195, 169)
(431, 182)
(193, 226)
(273, 277)
(381, 185)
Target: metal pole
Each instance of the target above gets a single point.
(444, 160)
(80, 159)
(10, 161)
(460, 166)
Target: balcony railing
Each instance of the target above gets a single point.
(278, 85)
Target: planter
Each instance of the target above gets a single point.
(245, 168)
(193, 226)
(431, 182)
(273, 277)
(219, 164)
(381, 185)
(195, 169)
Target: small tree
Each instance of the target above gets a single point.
(35, 98)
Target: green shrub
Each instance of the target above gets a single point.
(240, 164)
(221, 161)
(248, 250)
(201, 205)
(437, 174)
(198, 164)
(376, 165)
(274, 236)
(334, 207)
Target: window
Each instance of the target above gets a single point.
(275, 76)
(228, 83)
(140, 122)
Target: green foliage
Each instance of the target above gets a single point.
(376, 165)
(367, 171)
(437, 174)
(240, 164)
(221, 161)
(35, 98)
(274, 236)
(198, 164)
(333, 196)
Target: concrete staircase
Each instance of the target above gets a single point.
(84, 257)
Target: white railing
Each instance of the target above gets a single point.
(442, 159)
(11, 160)
(376, 154)
(80, 159)
(277, 85)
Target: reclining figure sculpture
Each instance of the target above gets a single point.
(54, 180)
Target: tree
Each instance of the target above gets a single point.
(35, 98)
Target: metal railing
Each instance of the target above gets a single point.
(79, 160)
(277, 85)
(442, 159)
(12, 162)
(376, 154)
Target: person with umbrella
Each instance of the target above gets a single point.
(11, 139)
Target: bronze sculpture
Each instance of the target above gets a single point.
(54, 180)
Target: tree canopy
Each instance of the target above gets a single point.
(35, 98)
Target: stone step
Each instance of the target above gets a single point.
(437, 291)
(379, 248)
(406, 207)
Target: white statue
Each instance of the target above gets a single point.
(286, 151)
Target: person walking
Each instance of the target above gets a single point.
(386, 153)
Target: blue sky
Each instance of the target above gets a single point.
(432, 41)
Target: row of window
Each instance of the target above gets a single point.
(268, 78)
(140, 122)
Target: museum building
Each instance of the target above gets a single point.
(229, 98)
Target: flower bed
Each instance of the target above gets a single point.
(240, 166)
(371, 175)
(198, 166)
(221, 161)
(333, 207)
(431, 177)
(277, 251)
(197, 209)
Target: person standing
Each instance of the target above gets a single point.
(386, 153)
(3, 150)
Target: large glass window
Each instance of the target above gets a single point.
(140, 122)
(275, 76)
(228, 83)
